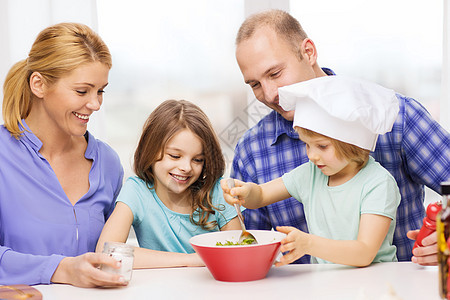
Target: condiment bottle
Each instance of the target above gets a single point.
(123, 253)
(443, 233)
(429, 223)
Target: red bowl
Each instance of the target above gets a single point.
(238, 263)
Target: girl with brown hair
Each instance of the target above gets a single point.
(176, 192)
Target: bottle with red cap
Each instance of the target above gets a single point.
(443, 233)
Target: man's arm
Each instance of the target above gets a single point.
(426, 145)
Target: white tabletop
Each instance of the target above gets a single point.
(379, 281)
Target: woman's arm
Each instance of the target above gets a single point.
(16, 267)
(83, 271)
(360, 252)
(79, 271)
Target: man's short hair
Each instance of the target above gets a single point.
(281, 22)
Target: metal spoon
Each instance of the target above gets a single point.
(246, 237)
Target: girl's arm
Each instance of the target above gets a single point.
(252, 195)
(117, 229)
(360, 253)
(232, 225)
(147, 259)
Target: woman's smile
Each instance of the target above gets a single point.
(81, 116)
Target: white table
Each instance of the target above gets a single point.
(407, 280)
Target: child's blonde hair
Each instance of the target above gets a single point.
(169, 118)
(343, 150)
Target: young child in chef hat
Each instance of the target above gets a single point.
(350, 200)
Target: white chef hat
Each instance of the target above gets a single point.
(346, 109)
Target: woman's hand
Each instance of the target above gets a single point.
(83, 271)
(426, 255)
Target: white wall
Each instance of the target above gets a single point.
(445, 100)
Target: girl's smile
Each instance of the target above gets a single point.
(180, 178)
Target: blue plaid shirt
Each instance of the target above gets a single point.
(416, 152)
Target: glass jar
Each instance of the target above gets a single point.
(443, 233)
(121, 252)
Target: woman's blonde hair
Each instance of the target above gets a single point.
(166, 121)
(343, 150)
(57, 51)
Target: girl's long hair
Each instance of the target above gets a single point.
(163, 123)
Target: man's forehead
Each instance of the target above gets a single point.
(264, 35)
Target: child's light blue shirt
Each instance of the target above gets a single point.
(334, 212)
(160, 228)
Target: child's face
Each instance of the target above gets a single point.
(322, 153)
(181, 164)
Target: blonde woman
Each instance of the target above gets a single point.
(58, 183)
